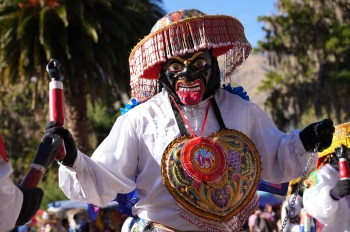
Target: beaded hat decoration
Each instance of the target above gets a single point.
(182, 32)
(341, 136)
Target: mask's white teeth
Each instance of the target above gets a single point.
(192, 89)
(188, 88)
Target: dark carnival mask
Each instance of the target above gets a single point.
(192, 77)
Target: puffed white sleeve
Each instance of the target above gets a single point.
(11, 198)
(110, 170)
(283, 156)
(318, 202)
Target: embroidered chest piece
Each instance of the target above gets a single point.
(213, 179)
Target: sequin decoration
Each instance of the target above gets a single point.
(213, 179)
(176, 16)
(341, 136)
(234, 159)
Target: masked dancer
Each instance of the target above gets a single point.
(197, 150)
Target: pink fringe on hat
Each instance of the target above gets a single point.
(182, 32)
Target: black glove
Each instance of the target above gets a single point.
(31, 203)
(317, 133)
(342, 152)
(47, 150)
(341, 188)
(71, 150)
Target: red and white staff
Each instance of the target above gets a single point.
(56, 98)
(342, 154)
(50, 143)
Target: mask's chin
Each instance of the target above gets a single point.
(190, 93)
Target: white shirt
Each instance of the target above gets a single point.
(138, 139)
(11, 198)
(335, 215)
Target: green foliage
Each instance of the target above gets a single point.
(341, 78)
(271, 80)
(308, 41)
(101, 119)
(19, 127)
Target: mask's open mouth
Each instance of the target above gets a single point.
(195, 86)
(190, 93)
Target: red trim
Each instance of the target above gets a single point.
(2, 150)
(205, 118)
(188, 125)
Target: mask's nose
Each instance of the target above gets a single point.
(188, 73)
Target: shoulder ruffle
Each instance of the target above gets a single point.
(130, 106)
(237, 90)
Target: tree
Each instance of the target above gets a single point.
(91, 38)
(18, 127)
(309, 44)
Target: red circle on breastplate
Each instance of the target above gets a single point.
(203, 159)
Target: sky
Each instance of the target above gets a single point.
(246, 11)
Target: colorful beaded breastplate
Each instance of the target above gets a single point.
(213, 179)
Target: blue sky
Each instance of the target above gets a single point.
(246, 11)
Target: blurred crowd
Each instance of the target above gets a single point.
(75, 221)
(266, 219)
(288, 215)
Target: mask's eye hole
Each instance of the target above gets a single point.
(175, 67)
(200, 63)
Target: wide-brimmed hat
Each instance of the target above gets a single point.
(182, 32)
(341, 136)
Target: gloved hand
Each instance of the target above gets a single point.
(47, 150)
(341, 189)
(341, 152)
(31, 203)
(71, 150)
(317, 133)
